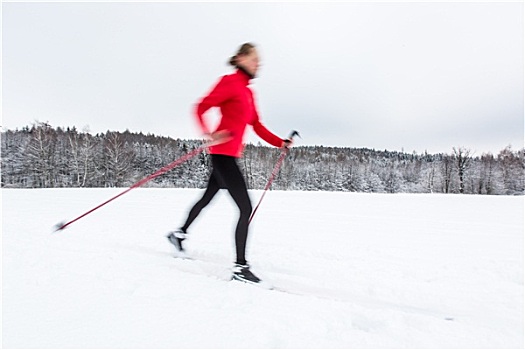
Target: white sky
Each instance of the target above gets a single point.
(408, 75)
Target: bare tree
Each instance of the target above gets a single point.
(463, 159)
(513, 164)
(446, 171)
(81, 146)
(118, 159)
(40, 155)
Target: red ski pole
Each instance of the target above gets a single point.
(159, 172)
(276, 168)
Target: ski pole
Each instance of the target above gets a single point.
(276, 168)
(159, 172)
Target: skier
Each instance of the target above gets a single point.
(237, 106)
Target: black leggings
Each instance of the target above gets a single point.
(227, 175)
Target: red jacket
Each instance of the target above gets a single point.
(235, 100)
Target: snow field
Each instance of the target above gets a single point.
(362, 271)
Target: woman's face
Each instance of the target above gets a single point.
(250, 62)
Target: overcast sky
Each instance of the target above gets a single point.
(397, 76)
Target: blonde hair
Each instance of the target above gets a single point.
(244, 50)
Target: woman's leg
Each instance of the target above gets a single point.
(229, 176)
(211, 191)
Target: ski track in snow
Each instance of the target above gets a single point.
(351, 271)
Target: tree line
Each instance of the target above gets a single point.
(42, 156)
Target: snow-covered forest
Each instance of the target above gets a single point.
(42, 156)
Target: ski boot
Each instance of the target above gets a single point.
(176, 238)
(242, 273)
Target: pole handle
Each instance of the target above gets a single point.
(294, 133)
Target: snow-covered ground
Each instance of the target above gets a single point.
(362, 271)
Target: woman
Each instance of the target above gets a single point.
(235, 100)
